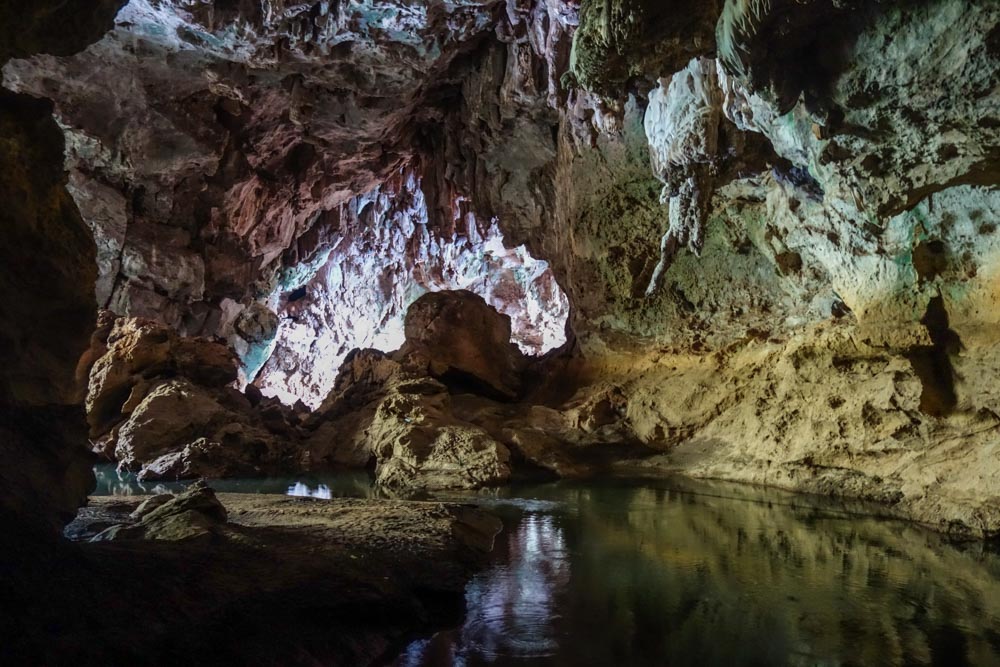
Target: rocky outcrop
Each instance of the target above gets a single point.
(46, 309)
(464, 340)
(409, 413)
(139, 350)
(743, 195)
(393, 414)
(159, 404)
(330, 304)
(193, 514)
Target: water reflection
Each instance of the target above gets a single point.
(111, 482)
(655, 575)
(305, 491)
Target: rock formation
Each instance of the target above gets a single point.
(738, 215)
(159, 405)
(741, 239)
(397, 410)
(762, 236)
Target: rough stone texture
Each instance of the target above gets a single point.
(140, 350)
(159, 405)
(206, 144)
(46, 308)
(330, 303)
(193, 514)
(463, 338)
(682, 126)
(215, 597)
(833, 163)
(182, 430)
(620, 39)
(392, 413)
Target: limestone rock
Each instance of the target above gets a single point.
(329, 305)
(620, 38)
(192, 514)
(419, 444)
(182, 430)
(140, 349)
(150, 504)
(464, 341)
(682, 127)
(402, 420)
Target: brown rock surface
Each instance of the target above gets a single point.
(159, 405)
(403, 420)
(139, 350)
(464, 340)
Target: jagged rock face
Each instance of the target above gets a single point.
(748, 205)
(231, 151)
(837, 285)
(239, 118)
(385, 256)
(621, 39)
(160, 405)
(398, 410)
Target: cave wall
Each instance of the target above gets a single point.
(214, 150)
(780, 256)
(751, 207)
(46, 290)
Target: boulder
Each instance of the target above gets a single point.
(391, 413)
(193, 514)
(139, 350)
(183, 430)
(463, 341)
(420, 444)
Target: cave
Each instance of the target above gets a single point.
(500, 332)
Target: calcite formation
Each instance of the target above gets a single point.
(761, 234)
(228, 148)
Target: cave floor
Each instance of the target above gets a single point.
(605, 571)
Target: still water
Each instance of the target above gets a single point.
(676, 573)
(671, 573)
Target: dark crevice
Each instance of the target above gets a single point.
(932, 363)
(460, 382)
(930, 259)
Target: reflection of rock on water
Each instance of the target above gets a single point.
(711, 574)
(304, 490)
(512, 609)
